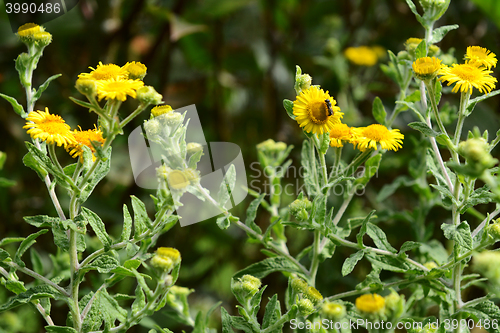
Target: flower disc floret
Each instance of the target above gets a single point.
(481, 56)
(467, 76)
(361, 55)
(48, 127)
(160, 109)
(312, 112)
(426, 68)
(370, 303)
(118, 89)
(177, 180)
(370, 136)
(28, 30)
(106, 72)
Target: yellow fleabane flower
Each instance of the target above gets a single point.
(370, 136)
(105, 72)
(118, 89)
(426, 68)
(28, 30)
(370, 303)
(48, 127)
(481, 56)
(361, 55)
(135, 70)
(467, 76)
(312, 111)
(338, 133)
(84, 138)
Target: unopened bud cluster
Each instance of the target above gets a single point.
(299, 209)
(166, 258)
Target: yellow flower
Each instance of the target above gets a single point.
(84, 138)
(338, 133)
(426, 68)
(105, 72)
(118, 89)
(166, 258)
(481, 56)
(361, 56)
(370, 136)
(136, 70)
(466, 76)
(412, 41)
(28, 30)
(48, 127)
(161, 109)
(370, 303)
(312, 111)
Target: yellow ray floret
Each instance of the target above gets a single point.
(48, 127)
(339, 133)
(118, 89)
(370, 136)
(467, 76)
(481, 56)
(312, 111)
(361, 55)
(84, 138)
(105, 72)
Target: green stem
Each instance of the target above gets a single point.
(360, 159)
(277, 324)
(74, 281)
(464, 99)
(134, 114)
(430, 89)
(315, 261)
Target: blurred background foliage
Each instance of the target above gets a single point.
(234, 59)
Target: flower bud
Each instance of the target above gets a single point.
(42, 38)
(433, 50)
(430, 265)
(394, 305)
(270, 146)
(160, 109)
(250, 284)
(493, 230)
(136, 71)
(299, 209)
(488, 264)
(477, 153)
(152, 127)
(302, 81)
(306, 307)
(86, 87)
(166, 258)
(193, 148)
(313, 294)
(172, 119)
(148, 95)
(333, 311)
(426, 68)
(177, 180)
(427, 4)
(27, 31)
(299, 285)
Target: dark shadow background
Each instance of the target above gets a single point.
(234, 59)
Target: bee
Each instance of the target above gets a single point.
(329, 107)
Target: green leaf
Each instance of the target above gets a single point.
(140, 300)
(227, 186)
(409, 245)
(16, 287)
(226, 321)
(110, 308)
(25, 245)
(60, 329)
(100, 172)
(370, 169)
(127, 224)
(252, 213)
(42, 221)
(421, 50)
(439, 33)
(460, 234)
(103, 264)
(30, 162)
(413, 97)
(363, 229)
(4, 255)
(388, 263)
(372, 280)
(389, 189)
(8, 240)
(4, 182)
(351, 262)
(472, 103)
(272, 313)
(98, 226)
(194, 159)
(18, 108)
(424, 129)
(379, 237)
(268, 266)
(141, 218)
(289, 108)
(414, 11)
(37, 292)
(44, 86)
(223, 222)
(378, 111)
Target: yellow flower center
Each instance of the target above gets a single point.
(177, 180)
(467, 72)
(377, 132)
(161, 109)
(318, 112)
(340, 131)
(28, 29)
(106, 72)
(370, 303)
(53, 125)
(426, 65)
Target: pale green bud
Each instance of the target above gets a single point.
(313, 294)
(42, 38)
(172, 119)
(193, 148)
(152, 127)
(299, 285)
(148, 95)
(166, 258)
(488, 264)
(299, 209)
(477, 152)
(493, 230)
(333, 311)
(302, 81)
(306, 307)
(394, 305)
(250, 284)
(270, 146)
(86, 87)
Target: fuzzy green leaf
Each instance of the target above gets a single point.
(30, 162)
(127, 224)
(60, 329)
(351, 262)
(44, 86)
(227, 186)
(439, 33)
(268, 266)
(378, 111)
(421, 50)
(460, 234)
(141, 218)
(379, 237)
(25, 245)
(272, 313)
(18, 108)
(424, 129)
(252, 213)
(37, 292)
(98, 226)
(289, 108)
